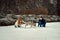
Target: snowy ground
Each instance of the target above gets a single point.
(51, 32)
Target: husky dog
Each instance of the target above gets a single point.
(30, 23)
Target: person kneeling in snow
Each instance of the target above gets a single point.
(41, 22)
(19, 22)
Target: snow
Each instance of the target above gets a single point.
(50, 32)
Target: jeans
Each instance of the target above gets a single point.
(41, 25)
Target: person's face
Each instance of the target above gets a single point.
(40, 18)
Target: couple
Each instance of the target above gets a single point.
(41, 22)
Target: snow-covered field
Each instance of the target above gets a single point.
(51, 32)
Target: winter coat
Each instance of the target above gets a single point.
(42, 21)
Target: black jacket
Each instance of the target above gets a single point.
(42, 21)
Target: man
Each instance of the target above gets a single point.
(41, 22)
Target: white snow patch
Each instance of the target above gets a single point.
(50, 32)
